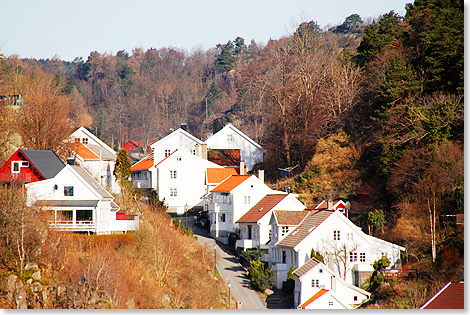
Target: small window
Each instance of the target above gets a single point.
(362, 257)
(321, 270)
(25, 164)
(77, 140)
(352, 256)
(15, 167)
(173, 192)
(284, 230)
(229, 138)
(355, 298)
(178, 158)
(336, 235)
(330, 303)
(315, 283)
(167, 152)
(85, 140)
(68, 191)
(222, 217)
(247, 200)
(173, 174)
(193, 152)
(284, 257)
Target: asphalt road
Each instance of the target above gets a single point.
(230, 270)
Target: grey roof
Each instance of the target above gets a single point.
(67, 203)
(311, 221)
(299, 272)
(91, 181)
(45, 161)
(105, 154)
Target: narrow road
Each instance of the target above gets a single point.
(230, 270)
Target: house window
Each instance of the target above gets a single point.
(284, 257)
(330, 303)
(222, 217)
(362, 257)
(336, 235)
(173, 174)
(25, 164)
(384, 254)
(247, 200)
(321, 270)
(85, 140)
(349, 236)
(15, 167)
(284, 230)
(352, 256)
(270, 233)
(315, 283)
(68, 191)
(167, 152)
(178, 159)
(229, 138)
(355, 298)
(65, 216)
(77, 140)
(193, 152)
(173, 192)
(85, 215)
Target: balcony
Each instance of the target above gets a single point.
(77, 226)
(246, 244)
(131, 223)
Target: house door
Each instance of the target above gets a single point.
(249, 232)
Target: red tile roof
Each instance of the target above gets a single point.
(261, 208)
(230, 183)
(82, 151)
(217, 175)
(451, 296)
(289, 217)
(143, 164)
(314, 297)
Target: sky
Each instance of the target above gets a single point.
(66, 29)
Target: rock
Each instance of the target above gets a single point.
(20, 295)
(268, 291)
(30, 266)
(37, 275)
(36, 287)
(9, 287)
(166, 301)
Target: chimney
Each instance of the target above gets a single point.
(184, 127)
(71, 160)
(330, 204)
(204, 151)
(242, 168)
(196, 150)
(261, 175)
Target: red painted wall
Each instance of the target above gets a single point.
(27, 174)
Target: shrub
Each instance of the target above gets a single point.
(289, 284)
(261, 278)
(249, 255)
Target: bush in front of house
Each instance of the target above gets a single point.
(261, 278)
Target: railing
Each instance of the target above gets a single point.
(245, 244)
(74, 226)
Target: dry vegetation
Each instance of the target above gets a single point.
(155, 267)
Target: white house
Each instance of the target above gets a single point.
(177, 140)
(230, 137)
(95, 156)
(345, 248)
(180, 179)
(313, 277)
(142, 173)
(324, 299)
(230, 200)
(79, 203)
(255, 230)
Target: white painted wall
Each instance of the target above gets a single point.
(177, 140)
(230, 137)
(189, 182)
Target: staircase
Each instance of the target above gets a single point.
(278, 300)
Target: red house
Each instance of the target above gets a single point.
(26, 166)
(135, 146)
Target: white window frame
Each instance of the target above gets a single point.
(284, 230)
(15, 163)
(173, 174)
(352, 256)
(336, 235)
(173, 192)
(362, 257)
(167, 152)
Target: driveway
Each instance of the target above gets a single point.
(230, 270)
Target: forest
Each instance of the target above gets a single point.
(368, 111)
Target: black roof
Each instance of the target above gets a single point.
(45, 161)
